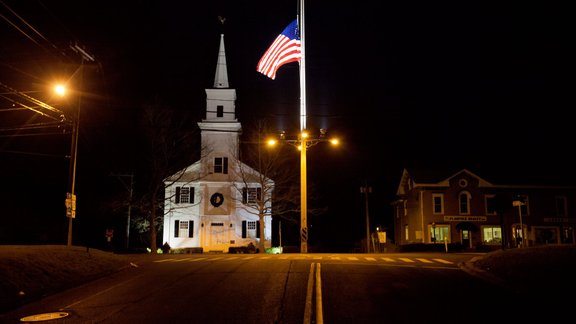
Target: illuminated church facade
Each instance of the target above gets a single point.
(210, 206)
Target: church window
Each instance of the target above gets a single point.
(221, 165)
(184, 195)
(251, 195)
(183, 228)
(250, 229)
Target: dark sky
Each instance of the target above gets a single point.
(482, 85)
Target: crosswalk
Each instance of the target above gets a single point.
(369, 259)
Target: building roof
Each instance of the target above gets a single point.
(513, 178)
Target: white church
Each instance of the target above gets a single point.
(212, 205)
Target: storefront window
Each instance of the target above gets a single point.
(491, 235)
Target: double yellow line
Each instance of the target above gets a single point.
(314, 296)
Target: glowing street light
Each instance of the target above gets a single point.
(60, 90)
(303, 143)
(70, 202)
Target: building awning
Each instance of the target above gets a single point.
(466, 226)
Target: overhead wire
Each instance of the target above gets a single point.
(18, 98)
(31, 36)
(24, 21)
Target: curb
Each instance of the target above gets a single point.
(470, 268)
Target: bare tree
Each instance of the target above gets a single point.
(169, 148)
(274, 171)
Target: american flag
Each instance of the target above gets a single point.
(285, 49)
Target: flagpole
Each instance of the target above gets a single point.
(302, 70)
(303, 144)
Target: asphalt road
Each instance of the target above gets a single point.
(286, 288)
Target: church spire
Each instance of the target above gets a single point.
(221, 100)
(221, 78)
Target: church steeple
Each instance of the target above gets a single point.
(221, 78)
(220, 130)
(221, 100)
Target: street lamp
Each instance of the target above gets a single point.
(519, 203)
(61, 90)
(70, 202)
(366, 190)
(303, 142)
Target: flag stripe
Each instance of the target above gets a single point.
(286, 48)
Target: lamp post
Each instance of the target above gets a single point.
(70, 201)
(366, 190)
(303, 194)
(71, 212)
(71, 196)
(303, 142)
(519, 203)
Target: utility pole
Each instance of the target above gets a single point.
(130, 189)
(71, 196)
(366, 190)
(518, 202)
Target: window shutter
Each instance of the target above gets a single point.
(225, 165)
(243, 229)
(191, 228)
(176, 228)
(192, 195)
(244, 195)
(257, 229)
(259, 194)
(177, 195)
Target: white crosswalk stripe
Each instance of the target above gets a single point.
(406, 260)
(310, 257)
(199, 259)
(182, 260)
(443, 261)
(424, 260)
(165, 260)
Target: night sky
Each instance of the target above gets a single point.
(486, 86)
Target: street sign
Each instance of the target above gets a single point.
(70, 205)
(109, 234)
(382, 237)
